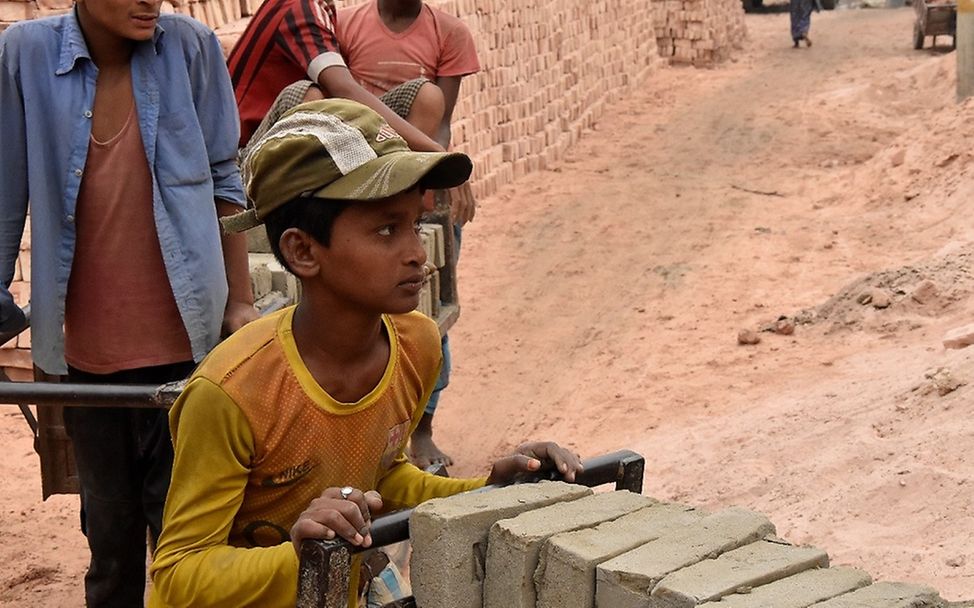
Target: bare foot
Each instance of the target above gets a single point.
(422, 450)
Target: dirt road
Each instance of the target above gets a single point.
(602, 300)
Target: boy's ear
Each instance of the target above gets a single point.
(298, 248)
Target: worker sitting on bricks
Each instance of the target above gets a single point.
(295, 427)
(289, 53)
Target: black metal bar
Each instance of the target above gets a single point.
(633, 470)
(29, 417)
(141, 396)
(147, 396)
(24, 408)
(623, 468)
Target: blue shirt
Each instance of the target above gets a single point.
(189, 126)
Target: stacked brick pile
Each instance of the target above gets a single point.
(556, 545)
(699, 32)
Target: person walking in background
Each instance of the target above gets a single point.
(389, 44)
(801, 20)
(119, 127)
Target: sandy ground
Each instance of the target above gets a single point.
(603, 299)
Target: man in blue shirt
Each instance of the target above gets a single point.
(120, 127)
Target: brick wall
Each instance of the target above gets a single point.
(550, 68)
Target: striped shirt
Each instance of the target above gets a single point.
(286, 41)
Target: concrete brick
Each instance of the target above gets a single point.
(257, 240)
(281, 279)
(514, 545)
(449, 538)
(887, 595)
(439, 251)
(23, 340)
(798, 591)
(260, 279)
(16, 11)
(750, 566)
(565, 577)
(628, 579)
(19, 374)
(16, 357)
(959, 337)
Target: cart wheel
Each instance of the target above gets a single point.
(918, 36)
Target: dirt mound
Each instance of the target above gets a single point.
(890, 300)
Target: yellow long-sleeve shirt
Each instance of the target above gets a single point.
(257, 439)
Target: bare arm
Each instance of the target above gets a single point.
(464, 207)
(240, 299)
(337, 81)
(450, 85)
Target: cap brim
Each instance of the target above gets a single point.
(391, 174)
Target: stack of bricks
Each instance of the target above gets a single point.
(698, 32)
(214, 13)
(557, 545)
(435, 245)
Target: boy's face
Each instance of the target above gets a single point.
(129, 19)
(375, 259)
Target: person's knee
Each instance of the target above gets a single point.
(427, 110)
(313, 94)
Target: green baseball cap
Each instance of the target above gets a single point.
(341, 150)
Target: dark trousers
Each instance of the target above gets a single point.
(124, 459)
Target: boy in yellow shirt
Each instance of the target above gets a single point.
(295, 426)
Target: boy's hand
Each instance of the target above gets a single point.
(532, 457)
(344, 512)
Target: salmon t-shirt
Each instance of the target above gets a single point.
(435, 45)
(120, 311)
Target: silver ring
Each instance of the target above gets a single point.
(346, 492)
